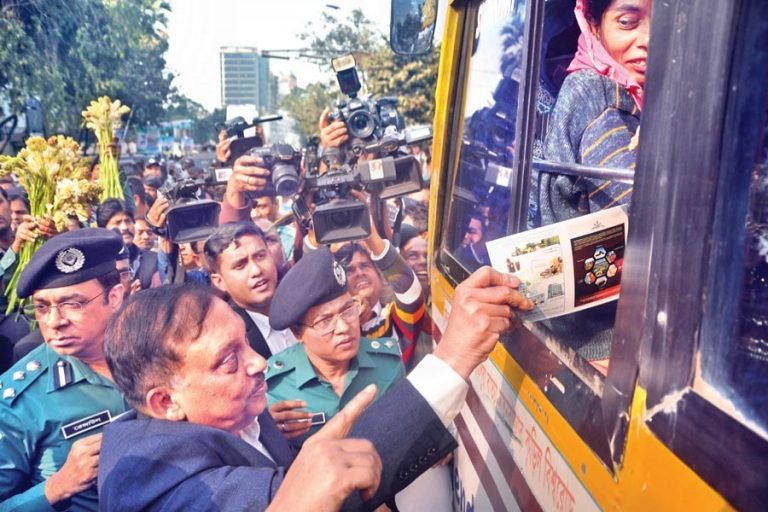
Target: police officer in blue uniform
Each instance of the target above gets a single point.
(55, 400)
(311, 381)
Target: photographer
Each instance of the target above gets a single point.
(266, 206)
(189, 255)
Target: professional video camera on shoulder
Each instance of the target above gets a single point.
(190, 216)
(372, 159)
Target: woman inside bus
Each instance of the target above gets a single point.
(594, 122)
(596, 118)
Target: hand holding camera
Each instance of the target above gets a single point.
(222, 147)
(332, 133)
(363, 142)
(248, 175)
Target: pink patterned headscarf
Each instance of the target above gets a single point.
(592, 55)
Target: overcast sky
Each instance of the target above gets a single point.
(198, 28)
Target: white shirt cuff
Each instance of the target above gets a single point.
(310, 244)
(442, 388)
(378, 257)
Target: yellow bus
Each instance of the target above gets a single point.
(677, 417)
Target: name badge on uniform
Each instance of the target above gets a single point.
(83, 425)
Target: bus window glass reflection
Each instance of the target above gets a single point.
(481, 204)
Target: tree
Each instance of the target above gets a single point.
(411, 79)
(332, 37)
(306, 104)
(68, 53)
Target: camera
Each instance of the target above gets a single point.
(235, 129)
(284, 162)
(372, 159)
(189, 217)
(365, 119)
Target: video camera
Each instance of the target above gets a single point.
(189, 218)
(372, 159)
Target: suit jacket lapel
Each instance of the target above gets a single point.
(255, 338)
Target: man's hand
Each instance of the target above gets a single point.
(158, 212)
(365, 301)
(135, 287)
(292, 423)
(29, 229)
(247, 176)
(483, 308)
(329, 468)
(332, 135)
(78, 472)
(222, 147)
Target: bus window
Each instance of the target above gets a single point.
(567, 356)
(734, 375)
(481, 199)
(592, 129)
(596, 119)
(586, 126)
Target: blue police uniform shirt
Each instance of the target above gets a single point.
(290, 376)
(47, 402)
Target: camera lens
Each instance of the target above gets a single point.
(341, 219)
(361, 124)
(286, 179)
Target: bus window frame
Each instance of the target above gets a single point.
(689, 215)
(607, 434)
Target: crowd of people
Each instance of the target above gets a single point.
(232, 372)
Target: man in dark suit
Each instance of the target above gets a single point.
(242, 267)
(202, 441)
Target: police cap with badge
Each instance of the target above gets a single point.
(317, 278)
(71, 258)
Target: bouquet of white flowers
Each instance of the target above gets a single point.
(55, 178)
(103, 116)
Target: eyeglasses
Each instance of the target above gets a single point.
(126, 274)
(327, 325)
(65, 308)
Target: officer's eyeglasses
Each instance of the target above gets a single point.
(66, 309)
(327, 325)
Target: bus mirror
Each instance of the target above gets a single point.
(412, 26)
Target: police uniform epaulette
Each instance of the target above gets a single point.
(389, 346)
(21, 375)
